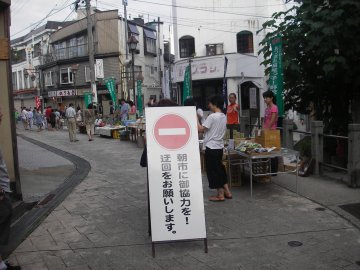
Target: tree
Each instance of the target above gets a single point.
(321, 58)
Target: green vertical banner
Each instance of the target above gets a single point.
(276, 82)
(110, 85)
(88, 98)
(187, 84)
(139, 97)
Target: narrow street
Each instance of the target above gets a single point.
(102, 224)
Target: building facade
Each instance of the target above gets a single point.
(25, 60)
(218, 30)
(65, 68)
(149, 57)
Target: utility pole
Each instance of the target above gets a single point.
(159, 54)
(172, 96)
(91, 51)
(125, 3)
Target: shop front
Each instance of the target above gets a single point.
(244, 74)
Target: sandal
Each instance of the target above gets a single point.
(216, 199)
(228, 195)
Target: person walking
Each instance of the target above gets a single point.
(78, 115)
(232, 115)
(48, 113)
(30, 117)
(214, 129)
(5, 212)
(70, 116)
(39, 120)
(24, 118)
(89, 119)
(124, 110)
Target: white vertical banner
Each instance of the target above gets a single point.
(166, 87)
(99, 69)
(175, 181)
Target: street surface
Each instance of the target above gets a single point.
(103, 223)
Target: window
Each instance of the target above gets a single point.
(81, 46)
(245, 42)
(150, 46)
(26, 82)
(66, 76)
(73, 48)
(37, 49)
(20, 76)
(137, 70)
(49, 79)
(187, 46)
(214, 49)
(14, 80)
(60, 50)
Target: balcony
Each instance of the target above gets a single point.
(67, 53)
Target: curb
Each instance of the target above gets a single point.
(33, 218)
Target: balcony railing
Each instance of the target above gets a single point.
(65, 53)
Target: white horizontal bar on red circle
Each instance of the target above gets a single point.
(172, 131)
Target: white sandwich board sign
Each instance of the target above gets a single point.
(175, 182)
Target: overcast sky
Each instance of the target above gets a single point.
(26, 14)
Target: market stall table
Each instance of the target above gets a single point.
(249, 159)
(108, 131)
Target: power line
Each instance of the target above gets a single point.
(189, 21)
(40, 21)
(202, 9)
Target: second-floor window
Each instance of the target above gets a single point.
(187, 46)
(18, 56)
(73, 50)
(37, 50)
(60, 50)
(20, 76)
(74, 47)
(14, 80)
(82, 46)
(245, 43)
(66, 76)
(150, 45)
(150, 42)
(49, 78)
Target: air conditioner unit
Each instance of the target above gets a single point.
(219, 49)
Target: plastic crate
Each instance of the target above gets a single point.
(116, 134)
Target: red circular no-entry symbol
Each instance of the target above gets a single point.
(172, 131)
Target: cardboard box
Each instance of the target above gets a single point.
(269, 138)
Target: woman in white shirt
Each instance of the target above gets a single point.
(214, 129)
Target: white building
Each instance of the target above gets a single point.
(209, 31)
(25, 58)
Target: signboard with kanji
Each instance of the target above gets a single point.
(175, 181)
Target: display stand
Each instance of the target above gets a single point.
(263, 158)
